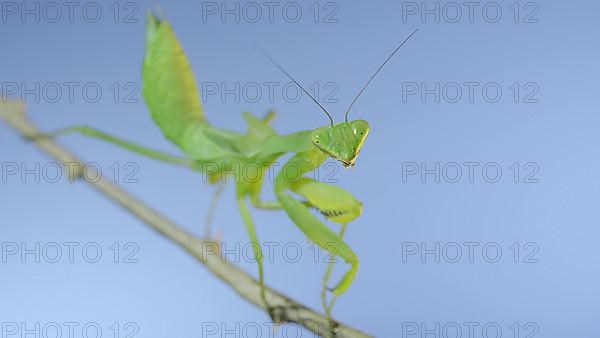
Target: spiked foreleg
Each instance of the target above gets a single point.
(312, 227)
(335, 203)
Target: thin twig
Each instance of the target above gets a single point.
(205, 251)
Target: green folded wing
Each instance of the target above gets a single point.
(168, 85)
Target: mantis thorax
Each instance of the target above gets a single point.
(342, 141)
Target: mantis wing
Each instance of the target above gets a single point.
(172, 96)
(169, 86)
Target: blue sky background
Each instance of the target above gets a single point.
(551, 289)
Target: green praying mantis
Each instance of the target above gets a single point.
(172, 96)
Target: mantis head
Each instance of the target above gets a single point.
(342, 141)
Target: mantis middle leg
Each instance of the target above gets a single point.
(258, 255)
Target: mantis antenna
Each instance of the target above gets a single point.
(377, 71)
(296, 82)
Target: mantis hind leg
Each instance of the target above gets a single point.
(136, 148)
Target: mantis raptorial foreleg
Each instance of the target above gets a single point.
(335, 203)
(300, 214)
(338, 206)
(136, 148)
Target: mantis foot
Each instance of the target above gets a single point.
(334, 328)
(276, 313)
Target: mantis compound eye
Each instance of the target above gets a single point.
(360, 128)
(320, 139)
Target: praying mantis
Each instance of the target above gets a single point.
(172, 96)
